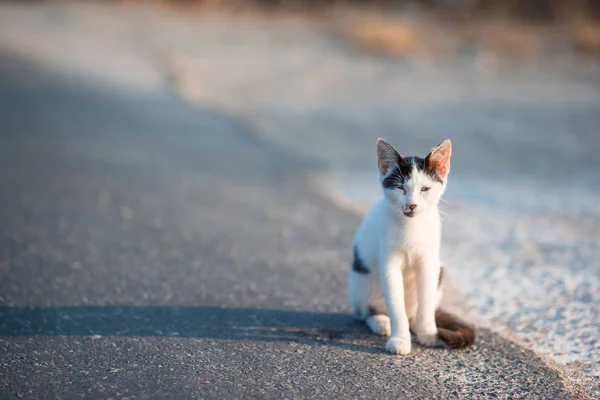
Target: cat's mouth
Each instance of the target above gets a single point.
(409, 214)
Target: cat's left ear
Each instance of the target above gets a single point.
(439, 159)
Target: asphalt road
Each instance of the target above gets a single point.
(149, 249)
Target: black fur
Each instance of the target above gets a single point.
(358, 265)
(375, 311)
(405, 166)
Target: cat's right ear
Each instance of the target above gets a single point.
(387, 157)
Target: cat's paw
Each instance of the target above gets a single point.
(398, 345)
(429, 339)
(379, 324)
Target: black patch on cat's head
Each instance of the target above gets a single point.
(404, 170)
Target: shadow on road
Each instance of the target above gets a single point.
(189, 322)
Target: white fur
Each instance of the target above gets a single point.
(402, 254)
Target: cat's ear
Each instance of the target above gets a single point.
(439, 159)
(387, 157)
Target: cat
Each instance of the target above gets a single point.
(395, 284)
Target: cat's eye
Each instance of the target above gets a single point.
(425, 188)
(402, 188)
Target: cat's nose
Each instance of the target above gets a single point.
(412, 206)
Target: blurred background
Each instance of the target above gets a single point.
(221, 152)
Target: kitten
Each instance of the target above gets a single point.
(396, 280)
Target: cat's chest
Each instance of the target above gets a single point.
(416, 238)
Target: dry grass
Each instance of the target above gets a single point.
(384, 35)
(508, 39)
(424, 32)
(585, 36)
(190, 7)
(401, 37)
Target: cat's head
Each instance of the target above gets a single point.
(413, 185)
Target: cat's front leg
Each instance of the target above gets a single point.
(392, 284)
(428, 272)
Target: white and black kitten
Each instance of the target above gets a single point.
(396, 279)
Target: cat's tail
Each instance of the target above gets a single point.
(455, 334)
